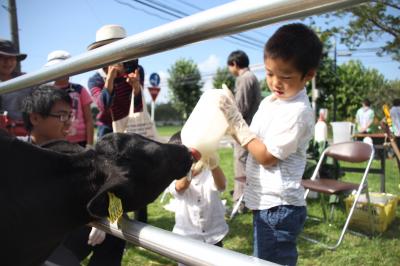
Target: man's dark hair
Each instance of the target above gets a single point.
(396, 102)
(240, 58)
(176, 138)
(367, 102)
(40, 101)
(296, 43)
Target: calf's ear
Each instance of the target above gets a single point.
(98, 205)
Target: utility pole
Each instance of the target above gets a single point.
(12, 9)
(336, 78)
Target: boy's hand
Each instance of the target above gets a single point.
(212, 161)
(96, 237)
(238, 127)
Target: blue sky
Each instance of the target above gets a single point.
(47, 25)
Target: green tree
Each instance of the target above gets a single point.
(356, 84)
(167, 114)
(223, 76)
(370, 22)
(264, 88)
(185, 86)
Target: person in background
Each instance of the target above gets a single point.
(247, 97)
(395, 115)
(277, 140)
(365, 117)
(111, 87)
(82, 130)
(199, 212)
(321, 132)
(11, 102)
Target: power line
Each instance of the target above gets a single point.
(249, 42)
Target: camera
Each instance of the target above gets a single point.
(131, 65)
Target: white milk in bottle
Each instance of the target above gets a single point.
(206, 124)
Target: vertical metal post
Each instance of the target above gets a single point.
(12, 10)
(335, 87)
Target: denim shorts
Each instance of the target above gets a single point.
(275, 233)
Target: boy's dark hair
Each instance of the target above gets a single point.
(367, 102)
(176, 138)
(240, 58)
(40, 101)
(396, 102)
(296, 43)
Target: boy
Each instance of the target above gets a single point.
(199, 212)
(47, 114)
(247, 98)
(277, 141)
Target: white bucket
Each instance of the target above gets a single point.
(206, 124)
(342, 131)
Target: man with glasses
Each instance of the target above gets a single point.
(47, 114)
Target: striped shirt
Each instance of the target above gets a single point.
(115, 106)
(285, 127)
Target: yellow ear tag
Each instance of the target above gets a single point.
(114, 207)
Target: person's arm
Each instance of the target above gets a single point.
(87, 115)
(86, 100)
(242, 134)
(244, 96)
(113, 72)
(216, 171)
(260, 152)
(182, 184)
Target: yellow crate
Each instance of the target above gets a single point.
(383, 208)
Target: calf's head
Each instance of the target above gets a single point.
(136, 170)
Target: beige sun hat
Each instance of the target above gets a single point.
(57, 57)
(107, 34)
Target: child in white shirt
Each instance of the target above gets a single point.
(199, 211)
(277, 140)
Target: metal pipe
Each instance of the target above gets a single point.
(176, 247)
(226, 19)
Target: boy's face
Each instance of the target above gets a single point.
(51, 127)
(283, 79)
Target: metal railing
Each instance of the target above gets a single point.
(176, 247)
(226, 19)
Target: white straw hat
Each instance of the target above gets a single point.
(56, 57)
(107, 34)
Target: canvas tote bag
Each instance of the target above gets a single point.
(139, 122)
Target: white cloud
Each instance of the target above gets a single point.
(210, 64)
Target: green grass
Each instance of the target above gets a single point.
(382, 249)
(166, 131)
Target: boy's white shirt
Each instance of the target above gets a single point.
(364, 116)
(199, 212)
(285, 127)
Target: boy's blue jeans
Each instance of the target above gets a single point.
(275, 233)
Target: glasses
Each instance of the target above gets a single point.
(64, 117)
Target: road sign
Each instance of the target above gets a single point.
(154, 92)
(154, 79)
